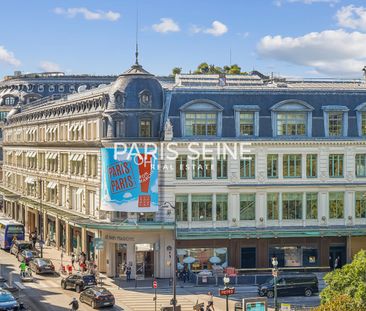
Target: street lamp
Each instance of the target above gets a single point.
(226, 280)
(275, 274)
(173, 302)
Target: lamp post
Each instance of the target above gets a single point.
(226, 280)
(275, 274)
(173, 302)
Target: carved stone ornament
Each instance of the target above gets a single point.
(168, 130)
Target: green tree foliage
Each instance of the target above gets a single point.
(349, 281)
(340, 303)
(234, 70)
(176, 71)
(205, 68)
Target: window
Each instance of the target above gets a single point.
(145, 128)
(272, 165)
(51, 88)
(336, 205)
(336, 165)
(246, 126)
(181, 167)
(202, 168)
(311, 165)
(292, 165)
(146, 217)
(312, 205)
(92, 162)
(247, 166)
(335, 123)
(291, 123)
(119, 128)
(64, 158)
(363, 123)
(292, 205)
(9, 101)
(221, 207)
(72, 88)
(272, 206)
(77, 164)
(360, 165)
(3, 115)
(201, 207)
(181, 207)
(200, 124)
(61, 88)
(41, 88)
(360, 204)
(247, 206)
(221, 166)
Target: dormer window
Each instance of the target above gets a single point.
(361, 119)
(9, 101)
(145, 98)
(41, 88)
(335, 121)
(51, 88)
(246, 120)
(72, 88)
(61, 88)
(292, 118)
(201, 118)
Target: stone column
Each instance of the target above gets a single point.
(57, 233)
(83, 240)
(45, 226)
(26, 220)
(68, 247)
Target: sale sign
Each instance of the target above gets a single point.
(129, 181)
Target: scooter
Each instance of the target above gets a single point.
(26, 276)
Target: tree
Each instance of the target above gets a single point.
(234, 70)
(203, 68)
(340, 303)
(349, 281)
(176, 71)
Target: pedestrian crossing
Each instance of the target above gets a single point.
(42, 283)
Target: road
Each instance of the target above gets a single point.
(45, 293)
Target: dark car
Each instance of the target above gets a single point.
(27, 255)
(7, 301)
(291, 284)
(41, 265)
(97, 297)
(19, 246)
(79, 282)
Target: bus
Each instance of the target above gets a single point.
(8, 229)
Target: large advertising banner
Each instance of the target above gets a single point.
(129, 180)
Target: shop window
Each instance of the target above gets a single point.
(201, 207)
(202, 168)
(312, 205)
(146, 217)
(294, 256)
(202, 258)
(247, 166)
(221, 207)
(292, 205)
(360, 165)
(272, 165)
(360, 209)
(292, 165)
(311, 165)
(272, 206)
(181, 167)
(336, 165)
(181, 207)
(336, 205)
(221, 166)
(247, 206)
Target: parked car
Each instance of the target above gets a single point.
(19, 246)
(97, 297)
(79, 282)
(7, 301)
(291, 284)
(27, 255)
(41, 265)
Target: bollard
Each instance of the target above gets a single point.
(11, 279)
(2, 279)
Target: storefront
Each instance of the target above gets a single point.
(149, 253)
(51, 223)
(76, 240)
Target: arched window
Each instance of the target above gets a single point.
(201, 118)
(292, 118)
(9, 101)
(145, 99)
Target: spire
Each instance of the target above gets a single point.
(137, 54)
(137, 37)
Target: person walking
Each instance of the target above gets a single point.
(128, 273)
(73, 260)
(210, 304)
(337, 263)
(34, 239)
(74, 304)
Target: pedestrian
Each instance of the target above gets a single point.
(69, 269)
(210, 304)
(337, 263)
(82, 266)
(128, 273)
(23, 267)
(13, 240)
(34, 239)
(73, 260)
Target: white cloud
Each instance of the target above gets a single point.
(217, 29)
(281, 2)
(331, 52)
(49, 66)
(88, 14)
(127, 195)
(352, 17)
(166, 25)
(8, 57)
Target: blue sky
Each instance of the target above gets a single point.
(298, 38)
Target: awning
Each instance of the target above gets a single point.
(18, 153)
(34, 130)
(79, 191)
(51, 155)
(7, 174)
(71, 128)
(30, 180)
(80, 127)
(31, 154)
(76, 157)
(52, 185)
(48, 130)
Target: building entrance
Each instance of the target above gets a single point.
(121, 259)
(337, 252)
(144, 261)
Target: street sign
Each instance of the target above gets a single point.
(254, 304)
(227, 291)
(155, 284)
(98, 243)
